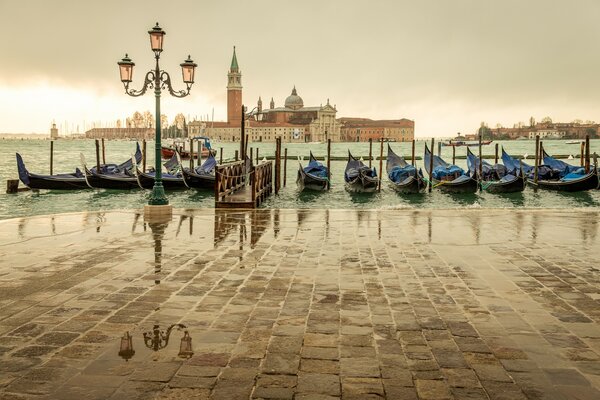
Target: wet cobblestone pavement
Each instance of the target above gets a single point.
(301, 304)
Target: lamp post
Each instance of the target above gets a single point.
(157, 79)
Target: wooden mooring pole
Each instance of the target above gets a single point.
(453, 155)
(413, 153)
(220, 155)
(537, 153)
(191, 154)
(496, 154)
(257, 160)
(51, 156)
(237, 154)
(370, 151)
(284, 166)
(480, 166)
(144, 155)
(380, 164)
(431, 164)
(587, 153)
(439, 149)
(97, 156)
(328, 164)
(103, 152)
(277, 164)
(582, 154)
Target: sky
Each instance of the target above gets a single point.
(446, 64)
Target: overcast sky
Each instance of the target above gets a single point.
(447, 64)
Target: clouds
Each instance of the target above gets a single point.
(446, 64)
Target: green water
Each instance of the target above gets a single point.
(36, 155)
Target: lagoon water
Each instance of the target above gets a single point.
(66, 158)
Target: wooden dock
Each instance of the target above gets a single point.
(235, 187)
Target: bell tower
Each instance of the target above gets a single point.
(234, 92)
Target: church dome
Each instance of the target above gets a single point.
(294, 101)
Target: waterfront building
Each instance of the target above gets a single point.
(363, 129)
(548, 130)
(120, 133)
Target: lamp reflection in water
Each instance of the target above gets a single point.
(158, 232)
(126, 349)
(156, 340)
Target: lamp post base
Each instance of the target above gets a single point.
(158, 213)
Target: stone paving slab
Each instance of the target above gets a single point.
(302, 304)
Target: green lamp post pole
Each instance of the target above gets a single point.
(157, 79)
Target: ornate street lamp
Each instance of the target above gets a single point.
(157, 79)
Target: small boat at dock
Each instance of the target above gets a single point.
(496, 178)
(448, 177)
(312, 177)
(404, 177)
(360, 178)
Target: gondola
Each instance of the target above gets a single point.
(313, 176)
(447, 177)
(358, 177)
(557, 175)
(496, 178)
(118, 177)
(404, 177)
(72, 181)
(171, 180)
(203, 176)
(571, 178)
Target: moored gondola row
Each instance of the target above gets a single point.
(510, 176)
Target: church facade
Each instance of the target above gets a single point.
(293, 122)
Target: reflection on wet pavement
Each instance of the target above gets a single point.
(303, 304)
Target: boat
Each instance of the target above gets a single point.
(68, 181)
(168, 151)
(460, 143)
(172, 179)
(120, 177)
(448, 177)
(404, 177)
(572, 178)
(203, 176)
(574, 142)
(496, 178)
(358, 177)
(314, 176)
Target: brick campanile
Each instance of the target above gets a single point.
(234, 93)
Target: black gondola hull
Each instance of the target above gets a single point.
(587, 182)
(53, 183)
(468, 186)
(362, 184)
(517, 185)
(197, 181)
(100, 181)
(413, 185)
(310, 182)
(146, 181)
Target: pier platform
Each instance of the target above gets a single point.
(301, 304)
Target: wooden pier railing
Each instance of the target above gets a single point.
(233, 190)
(262, 182)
